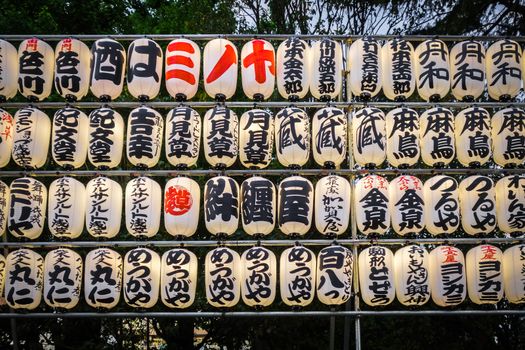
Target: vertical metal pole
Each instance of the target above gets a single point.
(147, 334)
(332, 331)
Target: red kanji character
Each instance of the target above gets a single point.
(451, 254)
(488, 252)
(227, 59)
(182, 60)
(32, 44)
(66, 45)
(178, 200)
(258, 58)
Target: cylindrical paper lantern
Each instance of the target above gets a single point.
(4, 208)
(376, 276)
(144, 137)
(368, 137)
(437, 137)
(293, 68)
(259, 276)
(36, 64)
(297, 268)
(24, 281)
(448, 282)
(31, 138)
(181, 206)
(292, 137)
(334, 275)
(178, 278)
(183, 65)
(220, 137)
(141, 278)
(411, 275)
(441, 197)
(467, 70)
(258, 206)
(143, 207)
(472, 132)
(484, 274)
(398, 68)
(106, 138)
(144, 71)
(432, 69)
(405, 194)
(503, 63)
(258, 69)
(477, 199)
(371, 205)
(514, 274)
(183, 136)
(72, 69)
(508, 136)
(27, 208)
(221, 205)
(219, 68)
(402, 137)
(104, 207)
(327, 67)
(107, 69)
(332, 205)
(295, 205)
(8, 70)
(7, 128)
(62, 278)
(256, 138)
(66, 205)
(70, 136)
(222, 275)
(364, 65)
(102, 278)
(329, 135)
(510, 203)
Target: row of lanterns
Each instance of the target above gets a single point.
(412, 274)
(401, 137)
(395, 67)
(405, 204)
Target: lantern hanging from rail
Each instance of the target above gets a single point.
(448, 282)
(221, 205)
(510, 203)
(329, 136)
(106, 138)
(334, 275)
(182, 137)
(181, 206)
(72, 69)
(256, 139)
(219, 69)
(24, 273)
(220, 137)
(223, 275)
(8, 70)
(143, 205)
(144, 69)
(514, 274)
(411, 275)
(7, 128)
(178, 278)
(141, 278)
(477, 204)
(2, 273)
(67, 203)
(183, 65)
(102, 278)
(144, 137)
(437, 137)
(258, 203)
(107, 69)
(432, 70)
(27, 208)
(472, 133)
(258, 276)
(104, 207)
(295, 205)
(467, 70)
(294, 63)
(484, 274)
(31, 138)
(371, 205)
(36, 64)
(5, 197)
(508, 137)
(258, 69)
(376, 276)
(62, 278)
(327, 68)
(441, 197)
(292, 137)
(332, 205)
(398, 68)
(504, 74)
(368, 137)
(297, 276)
(70, 136)
(364, 65)
(402, 137)
(405, 194)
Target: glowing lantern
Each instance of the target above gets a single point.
(503, 63)
(144, 137)
(183, 65)
(364, 65)
(223, 275)
(220, 137)
(472, 131)
(2, 273)
(258, 276)
(514, 274)
(329, 135)
(508, 137)
(398, 68)
(441, 197)
(24, 273)
(4, 208)
(62, 278)
(178, 278)
(432, 70)
(327, 68)
(448, 282)
(67, 202)
(183, 137)
(8, 70)
(258, 203)
(144, 69)
(73, 69)
(406, 204)
(334, 275)
(371, 205)
(104, 207)
(467, 70)
(292, 137)
(368, 135)
(293, 68)
(221, 205)
(102, 278)
(106, 138)
(27, 208)
(36, 63)
(31, 138)
(107, 69)
(477, 204)
(143, 207)
(332, 205)
(256, 138)
(297, 276)
(141, 278)
(295, 205)
(181, 206)
(258, 69)
(510, 203)
(402, 137)
(219, 68)
(6, 136)
(437, 137)
(70, 136)
(411, 275)
(484, 274)
(376, 276)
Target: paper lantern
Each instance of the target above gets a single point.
(371, 205)
(376, 276)
(107, 69)
(467, 70)
(364, 65)
(73, 69)
(334, 275)
(31, 138)
(141, 278)
(510, 203)
(27, 208)
(437, 137)
(293, 68)
(297, 276)
(484, 274)
(183, 137)
(222, 275)
(508, 137)
(398, 68)
(332, 205)
(258, 276)
(4, 209)
(178, 278)
(144, 137)
(503, 64)
(477, 204)
(402, 137)
(219, 68)
(256, 139)
(183, 65)
(258, 206)
(221, 205)
(327, 68)
(62, 278)
(432, 70)
(411, 275)
(292, 137)
(329, 135)
(441, 197)
(6, 135)
(181, 206)
(220, 136)
(8, 70)
(514, 274)
(2, 273)
(70, 136)
(143, 207)
(258, 69)
(104, 207)
(472, 132)
(295, 205)
(66, 205)
(368, 136)
(144, 69)
(36, 63)
(24, 279)
(102, 278)
(405, 194)
(106, 138)
(448, 282)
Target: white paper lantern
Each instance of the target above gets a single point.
(107, 69)
(484, 274)
(405, 194)
(297, 276)
(368, 137)
(258, 276)
(295, 205)
(144, 137)
(371, 205)
(292, 137)
(36, 64)
(70, 136)
(514, 274)
(504, 71)
(256, 138)
(467, 70)
(258, 206)
(332, 205)
(441, 197)
(141, 278)
(104, 207)
(106, 138)
(437, 137)
(183, 65)
(293, 68)
(402, 137)
(432, 70)
(102, 278)
(334, 275)
(3, 264)
(364, 65)
(181, 206)
(66, 205)
(183, 136)
(327, 68)
(398, 68)
(508, 136)
(258, 69)
(329, 135)
(411, 275)
(510, 203)
(8, 70)
(62, 278)
(31, 138)
(219, 68)
(72, 69)
(143, 207)
(448, 282)
(376, 276)
(24, 280)
(221, 205)
(222, 275)
(220, 136)
(477, 204)
(4, 208)
(178, 278)
(144, 69)
(27, 205)
(7, 130)
(472, 132)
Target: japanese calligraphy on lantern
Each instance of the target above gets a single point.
(183, 136)
(144, 69)
(222, 274)
(447, 276)
(437, 137)
(259, 276)
(432, 70)
(398, 68)
(368, 137)
(36, 64)
(31, 138)
(327, 66)
(145, 127)
(70, 135)
(106, 138)
(293, 68)
(467, 70)
(24, 279)
(295, 208)
(4, 206)
(256, 138)
(292, 137)
(510, 203)
(104, 207)
(178, 278)
(405, 195)
(6, 137)
(258, 206)
(371, 205)
(219, 68)
(107, 69)
(221, 205)
(477, 204)
(27, 208)
(73, 69)
(334, 275)
(297, 276)
(258, 69)
(183, 64)
(441, 197)
(402, 137)
(484, 274)
(376, 276)
(364, 58)
(220, 137)
(514, 274)
(102, 278)
(472, 132)
(66, 205)
(503, 63)
(181, 206)
(508, 136)
(62, 278)
(329, 136)
(141, 277)
(143, 207)
(411, 275)
(332, 205)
